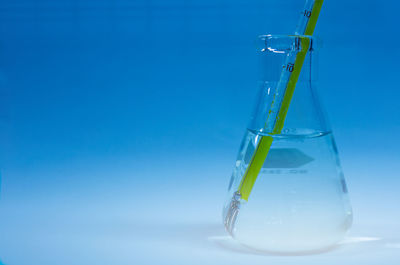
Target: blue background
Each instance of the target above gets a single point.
(120, 122)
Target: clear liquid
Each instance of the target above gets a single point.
(299, 201)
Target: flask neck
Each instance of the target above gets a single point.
(287, 101)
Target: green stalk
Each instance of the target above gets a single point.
(265, 142)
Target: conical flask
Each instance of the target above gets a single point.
(299, 200)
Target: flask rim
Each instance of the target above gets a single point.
(288, 43)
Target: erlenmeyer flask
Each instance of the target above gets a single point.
(299, 202)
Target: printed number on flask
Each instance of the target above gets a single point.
(307, 13)
(289, 67)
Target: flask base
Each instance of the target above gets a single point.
(297, 238)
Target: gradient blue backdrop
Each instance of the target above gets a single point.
(120, 122)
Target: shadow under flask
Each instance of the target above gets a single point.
(299, 201)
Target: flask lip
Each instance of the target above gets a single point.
(288, 43)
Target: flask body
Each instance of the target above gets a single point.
(299, 201)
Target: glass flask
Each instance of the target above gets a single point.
(299, 201)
